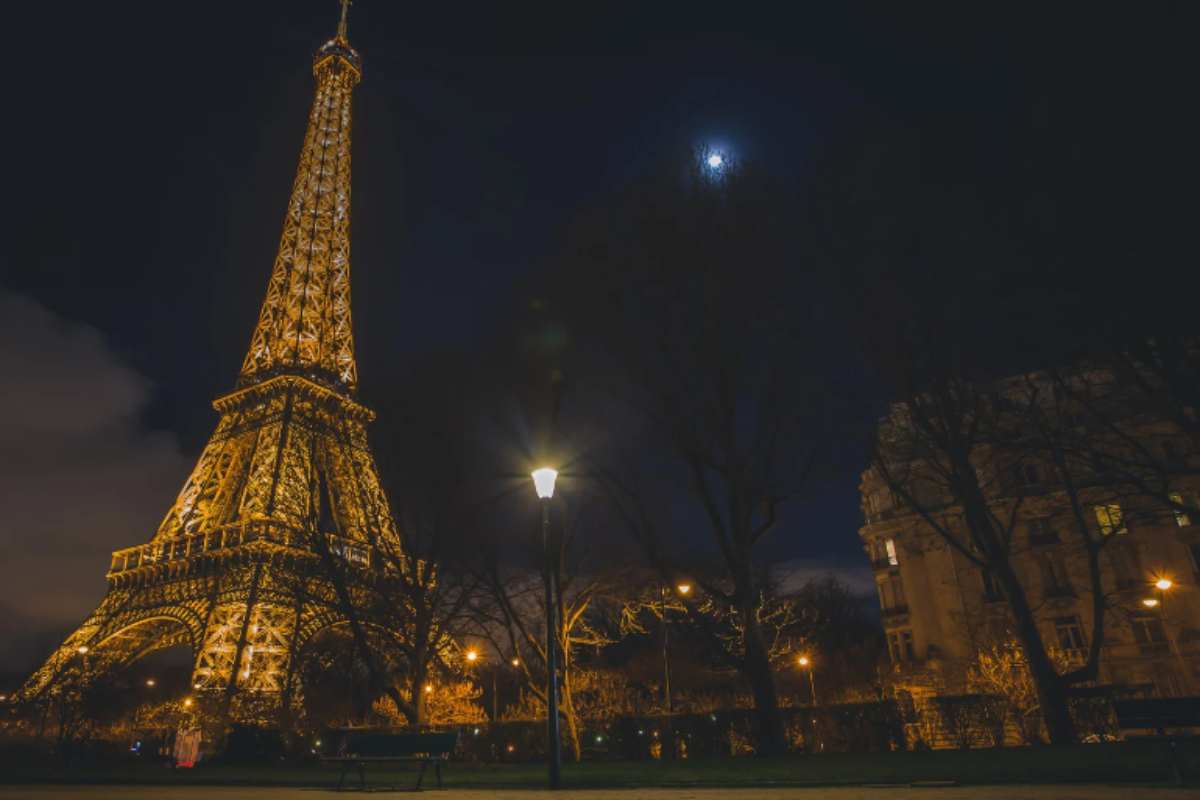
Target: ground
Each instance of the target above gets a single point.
(1076, 792)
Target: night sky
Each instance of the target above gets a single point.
(151, 148)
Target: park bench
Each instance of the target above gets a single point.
(1160, 714)
(358, 749)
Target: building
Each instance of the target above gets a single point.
(939, 608)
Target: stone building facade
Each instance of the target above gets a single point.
(939, 609)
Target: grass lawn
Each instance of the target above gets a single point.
(1143, 762)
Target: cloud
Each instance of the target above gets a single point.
(79, 476)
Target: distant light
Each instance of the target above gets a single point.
(150, 682)
(1150, 602)
(1164, 583)
(684, 588)
(82, 649)
(317, 742)
(802, 661)
(543, 482)
(516, 662)
(512, 748)
(472, 656)
(715, 161)
(195, 686)
(599, 739)
(187, 702)
(429, 688)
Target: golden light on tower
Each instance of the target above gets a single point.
(289, 455)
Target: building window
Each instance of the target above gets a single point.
(891, 595)
(1041, 531)
(1054, 577)
(1184, 518)
(1150, 635)
(1070, 636)
(1025, 474)
(1110, 519)
(900, 646)
(890, 549)
(991, 587)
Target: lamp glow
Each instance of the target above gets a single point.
(802, 661)
(1150, 602)
(543, 482)
(82, 649)
(1164, 583)
(150, 682)
(429, 688)
(187, 702)
(684, 588)
(715, 161)
(516, 662)
(472, 656)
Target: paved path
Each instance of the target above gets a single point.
(1082, 792)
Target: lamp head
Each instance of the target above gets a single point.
(1150, 602)
(82, 649)
(802, 661)
(543, 482)
(684, 588)
(1164, 583)
(472, 656)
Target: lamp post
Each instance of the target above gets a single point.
(806, 664)
(543, 483)
(1163, 585)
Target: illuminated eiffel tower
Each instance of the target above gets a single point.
(286, 483)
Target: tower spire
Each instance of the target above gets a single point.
(341, 33)
(304, 326)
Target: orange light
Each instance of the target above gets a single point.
(150, 682)
(429, 688)
(684, 588)
(1164, 583)
(187, 702)
(82, 649)
(1150, 602)
(802, 661)
(516, 662)
(472, 656)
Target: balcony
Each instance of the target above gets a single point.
(1043, 539)
(229, 537)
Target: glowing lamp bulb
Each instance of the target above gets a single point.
(1164, 583)
(684, 588)
(429, 688)
(187, 703)
(543, 482)
(802, 661)
(715, 161)
(1150, 602)
(472, 656)
(516, 662)
(150, 682)
(82, 649)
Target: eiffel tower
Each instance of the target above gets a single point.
(287, 481)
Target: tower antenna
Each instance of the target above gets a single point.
(341, 33)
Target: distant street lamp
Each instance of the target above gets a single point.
(150, 682)
(543, 483)
(806, 664)
(1164, 584)
(472, 656)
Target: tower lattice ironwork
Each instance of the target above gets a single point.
(286, 483)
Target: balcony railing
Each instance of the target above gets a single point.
(231, 536)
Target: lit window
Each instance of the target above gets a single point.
(1070, 635)
(1110, 519)
(1182, 518)
(890, 545)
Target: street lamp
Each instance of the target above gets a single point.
(543, 484)
(472, 656)
(806, 664)
(150, 682)
(1164, 584)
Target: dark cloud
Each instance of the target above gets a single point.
(79, 475)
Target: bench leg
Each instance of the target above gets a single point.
(421, 774)
(437, 770)
(362, 776)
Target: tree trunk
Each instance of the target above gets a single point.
(756, 666)
(568, 712)
(1051, 689)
